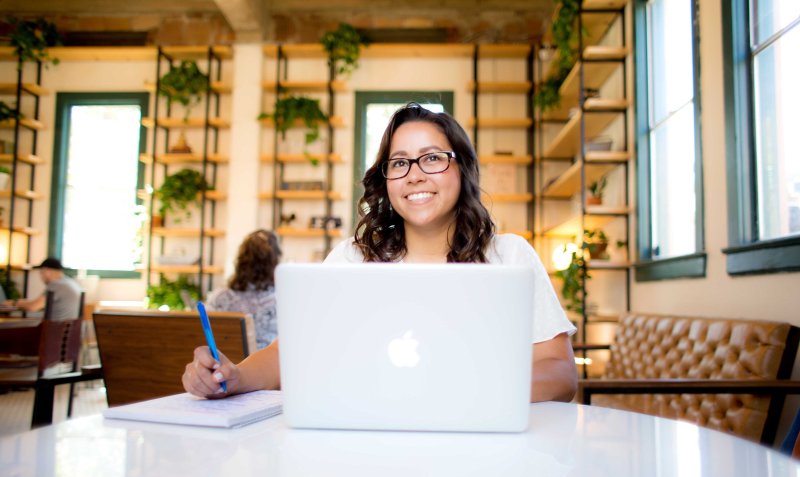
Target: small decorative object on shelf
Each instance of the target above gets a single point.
(343, 48)
(179, 190)
(287, 219)
(302, 185)
(184, 84)
(181, 146)
(30, 39)
(596, 189)
(326, 222)
(602, 143)
(167, 294)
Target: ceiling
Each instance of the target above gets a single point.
(263, 17)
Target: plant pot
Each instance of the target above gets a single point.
(594, 200)
(157, 221)
(597, 250)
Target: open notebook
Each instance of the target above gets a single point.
(234, 411)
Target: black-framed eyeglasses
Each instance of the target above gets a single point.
(430, 163)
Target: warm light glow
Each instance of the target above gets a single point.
(3, 253)
(583, 361)
(562, 256)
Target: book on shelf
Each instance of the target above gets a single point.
(234, 411)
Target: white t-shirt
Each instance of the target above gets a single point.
(510, 249)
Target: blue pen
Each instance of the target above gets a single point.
(212, 345)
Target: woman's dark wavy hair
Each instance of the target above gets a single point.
(380, 234)
(258, 256)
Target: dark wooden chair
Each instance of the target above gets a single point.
(42, 357)
(144, 353)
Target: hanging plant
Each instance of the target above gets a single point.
(572, 286)
(184, 84)
(343, 47)
(7, 112)
(179, 190)
(169, 293)
(564, 36)
(30, 39)
(289, 109)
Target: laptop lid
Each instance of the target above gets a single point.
(443, 347)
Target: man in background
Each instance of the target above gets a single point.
(66, 292)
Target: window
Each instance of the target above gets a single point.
(761, 40)
(373, 111)
(96, 219)
(668, 141)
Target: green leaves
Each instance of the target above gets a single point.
(179, 190)
(573, 278)
(7, 112)
(31, 38)
(343, 48)
(184, 84)
(169, 293)
(564, 36)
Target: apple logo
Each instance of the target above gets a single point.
(403, 351)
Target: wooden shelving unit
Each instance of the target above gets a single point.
(594, 104)
(21, 137)
(491, 83)
(200, 234)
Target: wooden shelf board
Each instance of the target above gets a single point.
(179, 123)
(336, 122)
(30, 231)
(302, 158)
(301, 195)
(186, 232)
(500, 87)
(197, 52)
(503, 159)
(22, 194)
(567, 141)
(604, 4)
(607, 210)
(417, 50)
(182, 158)
(501, 123)
(26, 158)
(522, 198)
(32, 124)
(189, 269)
(215, 195)
(607, 156)
(569, 183)
(337, 86)
(34, 89)
(303, 50)
(216, 86)
(607, 265)
(307, 233)
(604, 104)
(504, 50)
(104, 53)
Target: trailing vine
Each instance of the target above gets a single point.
(184, 84)
(564, 36)
(343, 48)
(573, 278)
(289, 109)
(179, 190)
(30, 39)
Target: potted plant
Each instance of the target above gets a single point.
(596, 189)
(289, 109)
(343, 48)
(5, 177)
(563, 29)
(184, 84)
(30, 39)
(573, 278)
(595, 242)
(179, 190)
(168, 293)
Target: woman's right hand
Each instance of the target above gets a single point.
(203, 376)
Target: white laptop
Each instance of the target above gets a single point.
(405, 347)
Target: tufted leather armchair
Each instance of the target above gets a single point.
(729, 375)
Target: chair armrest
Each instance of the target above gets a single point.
(590, 347)
(780, 387)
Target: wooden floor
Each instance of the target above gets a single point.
(16, 407)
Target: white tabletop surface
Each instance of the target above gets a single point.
(563, 440)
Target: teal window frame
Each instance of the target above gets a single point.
(647, 268)
(65, 101)
(746, 253)
(365, 98)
